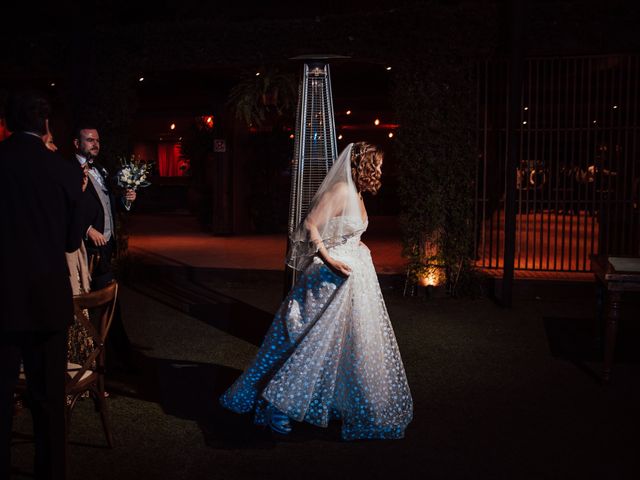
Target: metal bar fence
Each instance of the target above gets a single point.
(578, 178)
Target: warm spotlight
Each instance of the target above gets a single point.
(340, 137)
(141, 79)
(390, 134)
(376, 121)
(388, 68)
(173, 126)
(348, 112)
(292, 136)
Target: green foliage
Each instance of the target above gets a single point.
(435, 147)
(264, 98)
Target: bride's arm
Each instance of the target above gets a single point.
(340, 267)
(325, 209)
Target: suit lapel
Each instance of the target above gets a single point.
(92, 189)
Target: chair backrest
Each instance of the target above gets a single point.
(101, 304)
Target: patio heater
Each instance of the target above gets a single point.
(315, 148)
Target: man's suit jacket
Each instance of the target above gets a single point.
(40, 219)
(93, 212)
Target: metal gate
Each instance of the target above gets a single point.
(578, 178)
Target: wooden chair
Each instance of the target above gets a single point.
(89, 377)
(93, 261)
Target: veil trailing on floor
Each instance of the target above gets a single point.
(334, 214)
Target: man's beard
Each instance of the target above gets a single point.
(89, 155)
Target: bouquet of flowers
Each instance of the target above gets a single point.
(133, 175)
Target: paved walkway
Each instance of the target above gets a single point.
(178, 239)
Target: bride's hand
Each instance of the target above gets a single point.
(339, 267)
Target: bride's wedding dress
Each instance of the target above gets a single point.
(331, 353)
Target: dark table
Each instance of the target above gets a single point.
(615, 275)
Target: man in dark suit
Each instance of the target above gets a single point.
(99, 209)
(39, 202)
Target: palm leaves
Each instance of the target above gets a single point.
(263, 98)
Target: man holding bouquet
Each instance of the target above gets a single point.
(100, 227)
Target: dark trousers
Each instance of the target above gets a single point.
(118, 343)
(44, 356)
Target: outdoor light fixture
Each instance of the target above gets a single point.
(376, 121)
(433, 278)
(173, 126)
(315, 147)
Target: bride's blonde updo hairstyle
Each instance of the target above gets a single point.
(365, 162)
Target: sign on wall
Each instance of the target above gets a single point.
(219, 145)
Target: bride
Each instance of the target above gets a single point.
(330, 352)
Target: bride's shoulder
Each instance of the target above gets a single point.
(340, 189)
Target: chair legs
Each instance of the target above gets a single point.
(101, 406)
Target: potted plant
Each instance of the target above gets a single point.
(265, 98)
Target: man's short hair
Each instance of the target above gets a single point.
(27, 111)
(82, 126)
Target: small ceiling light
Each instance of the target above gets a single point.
(53, 84)
(524, 123)
(141, 79)
(388, 68)
(257, 74)
(390, 134)
(173, 126)
(526, 108)
(340, 137)
(179, 138)
(292, 136)
(348, 112)
(376, 121)
(595, 121)
(160, 138)
(615, 107)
